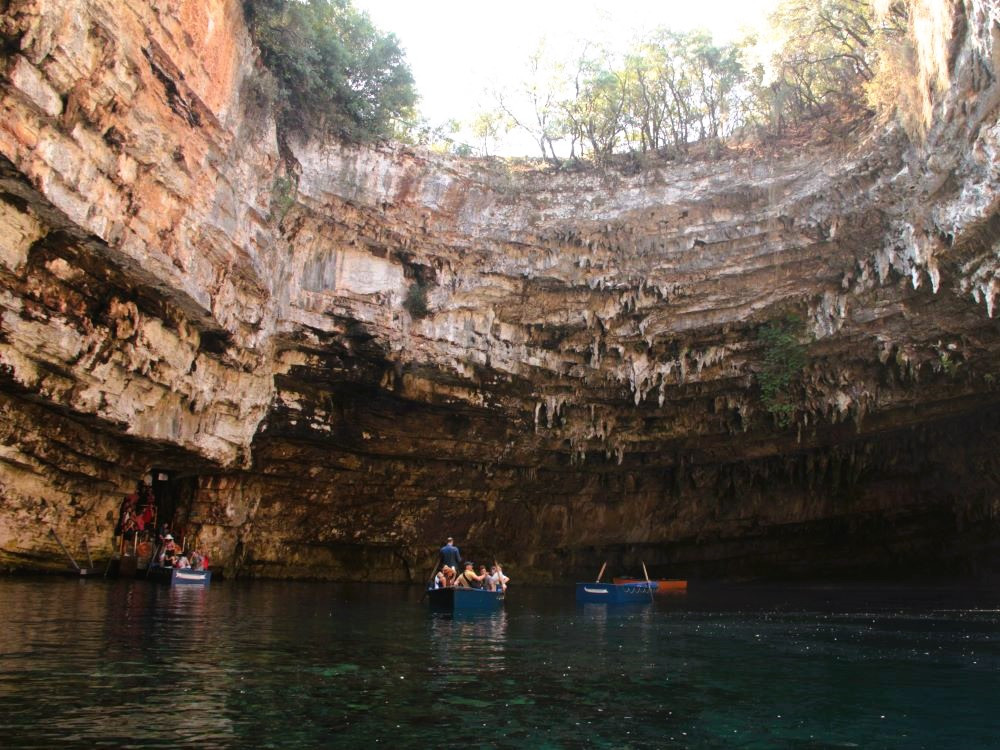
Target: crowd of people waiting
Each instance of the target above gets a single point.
(450, 561)
(136, 515)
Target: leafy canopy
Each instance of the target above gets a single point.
(335, 72)
(819, 65)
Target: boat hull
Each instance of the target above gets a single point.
(180, 576)
(456, 599)
(663, 586)
(188, 577)
(614, 593)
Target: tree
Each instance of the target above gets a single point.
(661, 92)
(488, 127)
(825, 55)
(595, 113)
(336, 73)
(538, 105)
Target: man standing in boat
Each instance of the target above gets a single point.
(450, 555)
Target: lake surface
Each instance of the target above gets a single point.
(268, 664)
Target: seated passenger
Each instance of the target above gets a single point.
(196, 560)
(440, 579)
(168, 551)
(182, 561)
(468, 578)
(498, 578)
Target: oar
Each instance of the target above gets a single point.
(429, 582)
(648, 582)
(63, 548)
(602, 572)
(499, 575)
(90, 560)
(145, 573)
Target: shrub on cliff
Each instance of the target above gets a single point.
(784, 357)
(416, 300)
(336, 73)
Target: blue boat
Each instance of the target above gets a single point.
(459, 599)
(180, 576)
(615, 593)
(190, 577)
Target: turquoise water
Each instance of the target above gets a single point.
(132, 664)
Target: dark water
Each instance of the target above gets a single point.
(131, 664)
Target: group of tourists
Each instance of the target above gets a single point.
(140, 536)
(454, 572)
(173, 556)
(136, 515)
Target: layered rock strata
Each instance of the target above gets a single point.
(338, 354)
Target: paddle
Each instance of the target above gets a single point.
(63, 548)
(152, 559)
(602, 572)
(648, 582)
(500, 582)
(429, 581)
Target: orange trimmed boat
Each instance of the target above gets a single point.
(663, 586)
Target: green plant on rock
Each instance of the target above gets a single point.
(416, 300)
(784, 358)
(335, 72)
(948, 365)
(282, 196)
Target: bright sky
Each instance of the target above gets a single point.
(459, 49)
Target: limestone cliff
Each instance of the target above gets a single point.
(339, 354)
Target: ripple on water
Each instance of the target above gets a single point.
(130, 664)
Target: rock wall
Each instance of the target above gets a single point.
(353, 351)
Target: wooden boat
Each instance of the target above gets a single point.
(663, 586)
(180, 576)
(459, 599)
(614, 593)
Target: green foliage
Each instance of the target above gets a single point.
(282, 196)
(538, 106)
(416, 300)
(670, 89)
(335, 72)
(488, 127)
(594, 116)
(442, 139)
(826, 53)
(949, 366)
(784, 358)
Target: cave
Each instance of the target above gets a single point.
(589, 369)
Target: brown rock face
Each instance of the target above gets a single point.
(333, 365)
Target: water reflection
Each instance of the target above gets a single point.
(469, 642)
(130, 663)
